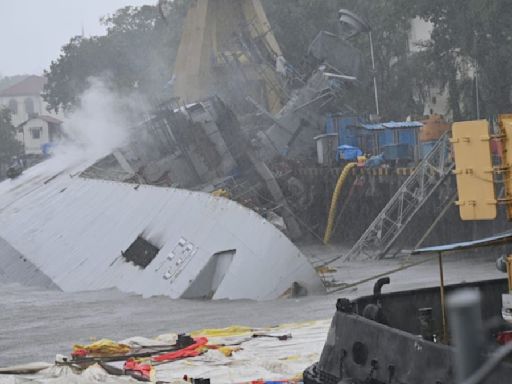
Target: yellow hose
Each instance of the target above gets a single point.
(334, 201)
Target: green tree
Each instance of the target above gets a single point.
(471, 34)
(137, 52)
(9, 145)
(140, 47)
(296, 23)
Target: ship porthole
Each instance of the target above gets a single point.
(359, 353)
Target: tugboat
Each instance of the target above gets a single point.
(402, 337)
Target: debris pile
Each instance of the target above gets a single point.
(227, 355)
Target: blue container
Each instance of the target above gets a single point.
(346, 129)
(407, 136)
(386, 137)
(398, 152)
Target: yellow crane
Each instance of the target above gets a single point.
(228, 44)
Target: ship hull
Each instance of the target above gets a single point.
(83, 234)
(388, 348)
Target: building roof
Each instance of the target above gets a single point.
(372, 127)
(32, 85)
(393, 125)
(47, 118)
(402, 124)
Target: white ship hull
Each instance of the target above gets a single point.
(73, 233)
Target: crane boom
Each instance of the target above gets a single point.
(228, 48)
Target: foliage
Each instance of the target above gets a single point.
(139, 51)
(468, 33)
(465, 33)
(136, 53)
(296, 23)
(9, 146)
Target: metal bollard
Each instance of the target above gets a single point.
(466, 328)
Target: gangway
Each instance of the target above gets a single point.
(382, 233)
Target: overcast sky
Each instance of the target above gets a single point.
(33, 31)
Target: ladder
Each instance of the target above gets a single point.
(382, 233)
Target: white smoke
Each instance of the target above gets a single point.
(101, 122)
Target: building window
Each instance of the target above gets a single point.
(13, 106)
(36, 132)
(141, 252)
(29, 106)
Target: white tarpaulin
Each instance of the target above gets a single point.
(246, 358)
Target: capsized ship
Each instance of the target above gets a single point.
(59, 229)
(199, 203)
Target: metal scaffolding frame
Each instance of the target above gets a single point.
(382, 233)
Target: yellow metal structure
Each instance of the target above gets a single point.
(221, 192)
(213, 52)
(505, 122)
(474, 171)
(334, 201)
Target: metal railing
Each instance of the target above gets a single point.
(382, 233)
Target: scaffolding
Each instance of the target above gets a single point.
(382, 233)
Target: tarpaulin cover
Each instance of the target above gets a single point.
(234, 330)
(262, 359)
(348, 152)
(66, 375)
(142, 370)
(103, 347)
(190, 351)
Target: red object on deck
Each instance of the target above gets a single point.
(190, 351)
(144, 370)
(504, 337)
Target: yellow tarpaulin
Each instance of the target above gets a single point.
(235, 330)
(103, 347)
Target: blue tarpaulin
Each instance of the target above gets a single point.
(348, 152)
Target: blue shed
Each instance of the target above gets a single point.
(346, 127)
(405, 133)
(373, 137)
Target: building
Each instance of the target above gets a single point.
(436, 101)
(37, 127)
(39, 133)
